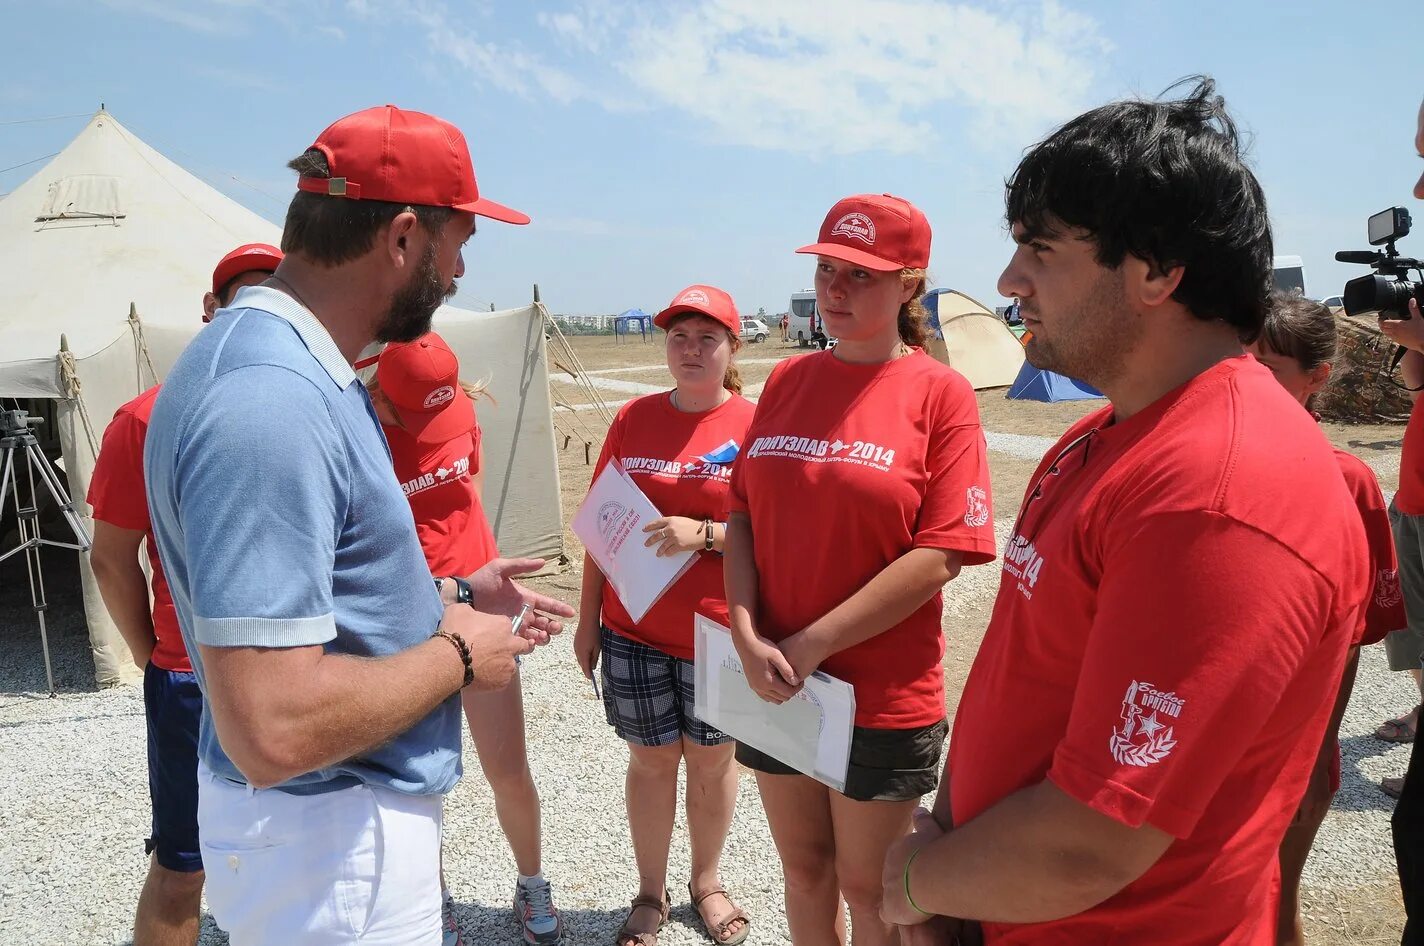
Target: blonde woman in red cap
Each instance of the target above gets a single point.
(863, 489)
(428, 416)
(680, 448)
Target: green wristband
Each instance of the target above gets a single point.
(908, 898)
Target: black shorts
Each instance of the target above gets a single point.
(885, 764)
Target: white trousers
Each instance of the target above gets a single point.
(357, 865)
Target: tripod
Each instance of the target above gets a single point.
(17, 440)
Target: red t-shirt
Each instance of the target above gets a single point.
(847, 468)
(438, 482)
(682, 462)
(1385, 612)
(1410, 497)
(1174, 602)
(116, 492)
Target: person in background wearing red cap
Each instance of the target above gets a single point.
(330, 664)
(428, 415)
(172, 894)
(1183, 581)
(680, 448)
(863, 489)
(1298, 345)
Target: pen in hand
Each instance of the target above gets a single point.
(518, 621)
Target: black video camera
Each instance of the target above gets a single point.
(1387, 292)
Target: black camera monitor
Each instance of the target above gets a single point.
(1388, 225)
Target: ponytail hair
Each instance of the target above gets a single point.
(914, 319)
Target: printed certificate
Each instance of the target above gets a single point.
(810, 732)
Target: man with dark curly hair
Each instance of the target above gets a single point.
(1182, 583)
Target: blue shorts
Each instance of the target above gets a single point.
(648, 695)
(173, 707)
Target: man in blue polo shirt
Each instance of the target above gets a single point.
(330, 664)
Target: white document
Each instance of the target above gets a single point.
(810, 732)
(610, 525)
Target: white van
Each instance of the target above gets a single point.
(804, 322)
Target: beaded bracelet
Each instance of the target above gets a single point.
(464, 650)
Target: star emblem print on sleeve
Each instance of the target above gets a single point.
(1387, 593)
(1143, 740)
(976, 512)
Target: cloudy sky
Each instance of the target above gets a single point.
(657, 144)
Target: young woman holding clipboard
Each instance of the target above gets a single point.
(679, 449)
(862, 490)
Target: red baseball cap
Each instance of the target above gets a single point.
(402, 157)
(421, 379)
(245, 259)
(704, 300)
(877, 231)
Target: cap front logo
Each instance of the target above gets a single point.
(856, 226)
(441, 395)
(693, 297)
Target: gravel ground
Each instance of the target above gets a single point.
(72, 775)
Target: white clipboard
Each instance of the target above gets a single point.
(810, 732)
(610, 525)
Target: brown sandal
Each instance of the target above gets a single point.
(627, 937)
(721, 932)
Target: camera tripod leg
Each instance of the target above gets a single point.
(28, 520)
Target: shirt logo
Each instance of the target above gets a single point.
(811, 450)
(723, 454)
(855, 226)
(693, 297)
(1145, 737)
(976, 509)
(441, 395)
(1387, 593)
(1023, 562)
(426, 480)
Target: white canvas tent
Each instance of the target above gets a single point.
(972, 340)
(110, 226)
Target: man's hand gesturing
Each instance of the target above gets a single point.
(496, 592)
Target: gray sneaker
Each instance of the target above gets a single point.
(534, 909)
(449, 925)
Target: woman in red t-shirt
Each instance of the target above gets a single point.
(428, 416)
(863, 489)
(679, 448)
(1298, 343)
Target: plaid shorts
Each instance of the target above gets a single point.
(648, 695)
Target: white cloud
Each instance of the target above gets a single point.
(847, 76)
(502, 65)
(806, 76)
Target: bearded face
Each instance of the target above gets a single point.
(413, 306)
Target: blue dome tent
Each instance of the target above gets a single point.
(1035, 384)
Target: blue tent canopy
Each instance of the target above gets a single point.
(625, 323)
(1035, 384)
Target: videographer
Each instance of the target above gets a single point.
(1408, 515)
